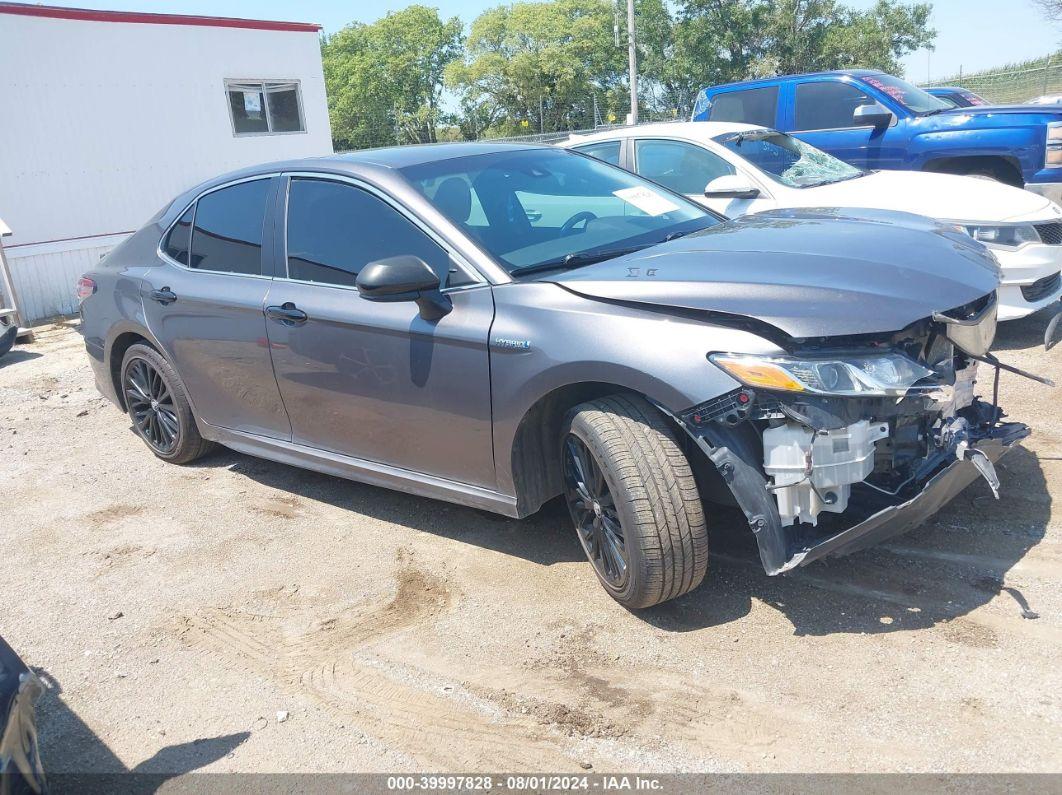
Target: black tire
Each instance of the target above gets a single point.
(649, 489)
(157, 404)
(7, 338)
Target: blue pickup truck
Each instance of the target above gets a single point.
(876, 121)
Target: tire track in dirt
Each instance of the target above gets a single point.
(441, 733)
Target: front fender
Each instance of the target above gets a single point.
(545, 338)
(1022, 144)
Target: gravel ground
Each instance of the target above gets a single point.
(241, 615)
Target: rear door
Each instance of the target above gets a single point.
(376, 381)
(822, 113)
(204, 304)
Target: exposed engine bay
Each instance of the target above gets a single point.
(848, 441)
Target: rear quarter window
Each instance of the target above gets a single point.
(178, 242)
(751, 106)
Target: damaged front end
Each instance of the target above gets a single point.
(848, 441)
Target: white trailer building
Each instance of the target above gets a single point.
(105, 116)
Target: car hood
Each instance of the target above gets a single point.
(988, 110)
(809, 273)
(943, 196)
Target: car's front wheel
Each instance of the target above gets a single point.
(634, 501)
(158, 406)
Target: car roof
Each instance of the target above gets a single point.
(416, 154)
(946, 88)
(389, 157)
(374, 164)
(766, 81)
(701, 130)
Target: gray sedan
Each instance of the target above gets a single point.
(498, 325)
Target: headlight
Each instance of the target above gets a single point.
(1054, 132)
(887, 374)
(1012, 236)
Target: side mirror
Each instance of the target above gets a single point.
(731, 186)
(404, 278)
(872, 115)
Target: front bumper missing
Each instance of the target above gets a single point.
(782, 549)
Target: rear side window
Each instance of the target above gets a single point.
(228, 229)
(179, 240)
(609, 151)
(828, 106)
(683, 167)
(754, 106)
(334, 230)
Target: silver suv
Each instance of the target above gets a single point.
(498, 325)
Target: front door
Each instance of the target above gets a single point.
(372, 380)
(204, 304)
(823, 115)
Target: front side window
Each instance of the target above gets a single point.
(828, 105)
(788, 160)
(608, 151)
(550, 208)
(683, 167)
(334, 230)
(259, 108)
(751, 106)
(178, 242)
(227, 235)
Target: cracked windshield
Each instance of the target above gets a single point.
(788, 160)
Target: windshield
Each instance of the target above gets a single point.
(972, 99)
(911, 97)
(536, 209)
(788, 160)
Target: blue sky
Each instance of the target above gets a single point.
(973, 34)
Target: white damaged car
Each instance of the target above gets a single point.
(737, 169)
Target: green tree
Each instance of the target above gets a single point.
(538, 65)
(385, 80)
(548, 66)
(727, 40)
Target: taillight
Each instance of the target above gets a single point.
(85, 288)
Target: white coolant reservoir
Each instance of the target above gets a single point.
(813, 471)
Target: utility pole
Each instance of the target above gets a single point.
(632, 56)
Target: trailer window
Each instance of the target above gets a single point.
(264, 108)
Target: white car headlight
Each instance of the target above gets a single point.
(1011, 236)
(874, 375)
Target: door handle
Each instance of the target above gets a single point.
(164, 296)
(287, 313)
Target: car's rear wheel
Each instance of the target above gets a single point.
(634, 501)
(158, 406)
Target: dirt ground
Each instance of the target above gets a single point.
(241, 615)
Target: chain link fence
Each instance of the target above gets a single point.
(1013, 86)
